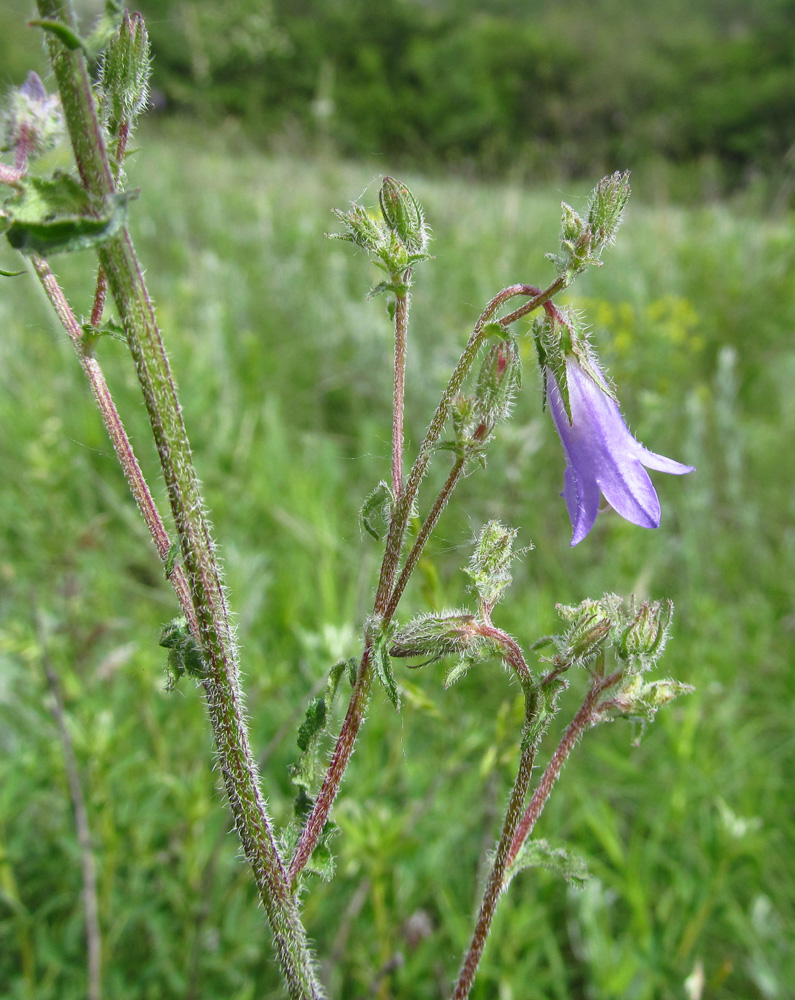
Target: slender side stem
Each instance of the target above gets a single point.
(581, 721)
(496, 879)
(516, 830)
(423, 535)
(397, 528)
(343, 749)
(87, 860)
(102, 284)
(125, 280)
(118, 436)
(384, 605)
(401, 331)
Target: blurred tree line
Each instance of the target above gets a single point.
(534, 86)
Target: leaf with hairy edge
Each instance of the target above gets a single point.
(540, 854)
(57, 215)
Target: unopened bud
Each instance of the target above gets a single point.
(490, 565)
(403, 215)
(642, 641)
(499, 380)
(587, 634)
(606, 209)
(124, 74)
(33, 122)
(435, 636)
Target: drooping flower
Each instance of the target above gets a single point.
(602, 456)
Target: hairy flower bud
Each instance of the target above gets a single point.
(606, 209)
(403, 215)
(588, 632)
(435, 636)
(498, 382)
(642, 641)
(490, 565)
(124, 74)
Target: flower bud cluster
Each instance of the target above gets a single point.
(636, 634)
(397, 241)
(582, 241)
(33, 122)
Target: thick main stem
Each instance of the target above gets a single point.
(125, 280)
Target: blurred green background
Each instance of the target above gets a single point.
(491, 115)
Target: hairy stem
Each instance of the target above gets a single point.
(388, 593)
(118, 436)
(125, 280)
(423, 535)
(581, 721)
(401, 332)
(496, 879)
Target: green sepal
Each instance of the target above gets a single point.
(377, 503)
(57, 215)
(540, 854)
(461, 669)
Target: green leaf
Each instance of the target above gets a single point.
(377, 503)
(11, 274)
(57, 215)
(540, 854)
(313, 725)
(383, 671)
(64, 34)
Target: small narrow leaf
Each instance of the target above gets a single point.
(377, 504)
(64, 34)
(11, 274)
(540, 854)
(383, 671)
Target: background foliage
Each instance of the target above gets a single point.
(535, 88)
(284, 370)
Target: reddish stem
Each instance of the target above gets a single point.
(581, 721)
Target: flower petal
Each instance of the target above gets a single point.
(629, 491)
(582, 502)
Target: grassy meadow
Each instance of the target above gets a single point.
(284, 370)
